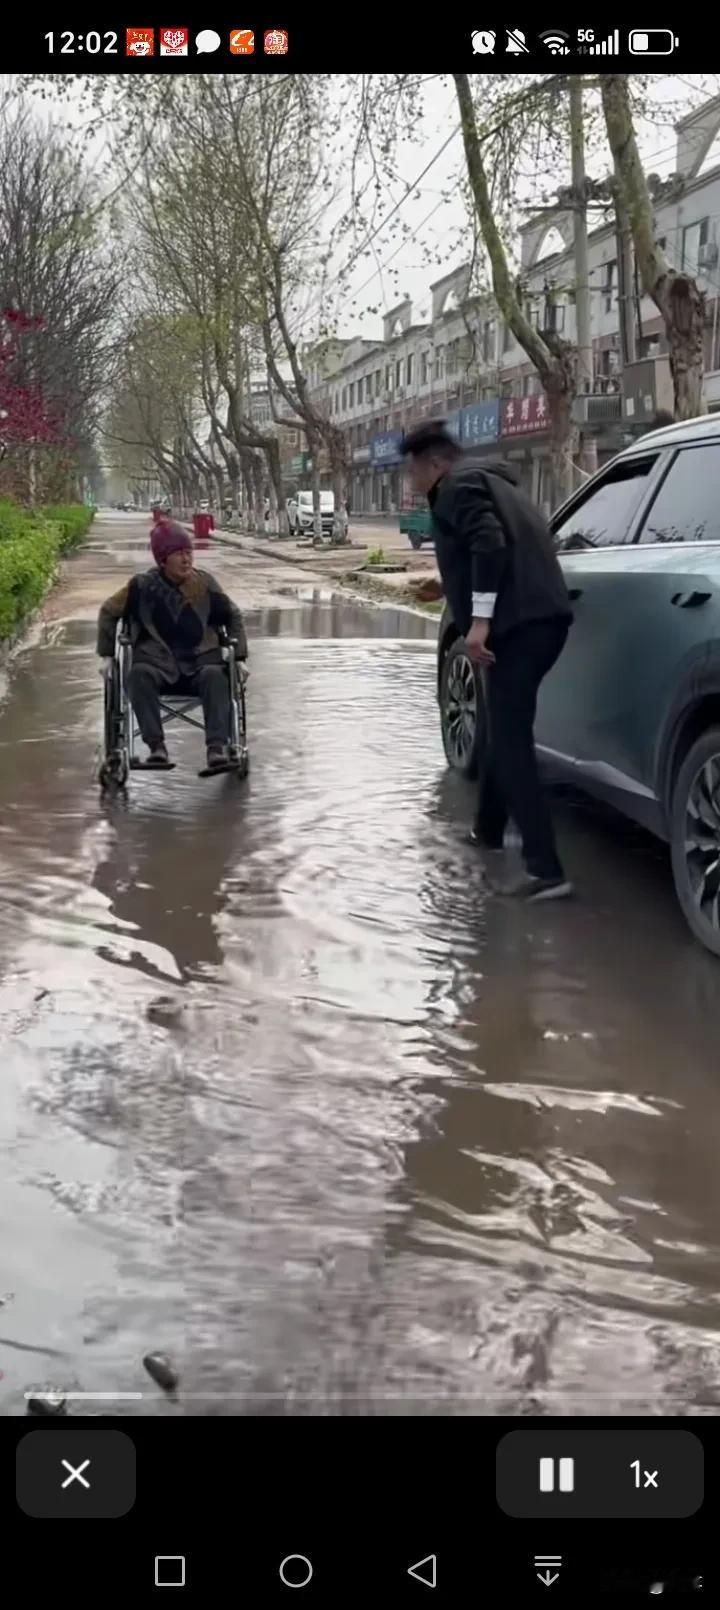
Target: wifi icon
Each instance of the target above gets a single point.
(556, 42)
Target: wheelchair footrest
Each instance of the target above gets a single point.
(152, 765)
(219, 771)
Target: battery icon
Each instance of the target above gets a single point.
(652, 42)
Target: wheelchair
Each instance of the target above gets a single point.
(121, 731)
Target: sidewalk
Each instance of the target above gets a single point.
(341, 566)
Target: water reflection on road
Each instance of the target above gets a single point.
(286, 1098)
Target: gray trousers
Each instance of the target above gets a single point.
(147, 683)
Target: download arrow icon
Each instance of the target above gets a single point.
(547, 1578)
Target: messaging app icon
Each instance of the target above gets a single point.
(207, 41)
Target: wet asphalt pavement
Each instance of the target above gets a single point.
(285, 1097)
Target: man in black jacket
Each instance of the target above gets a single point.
(503, 583)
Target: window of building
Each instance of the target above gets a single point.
(409, 369)
(378, 382)
(686, 508)
(489, 341)
(694, 236)
(604, 518)
(398, 371)
(439, 363)
(388, 377)
(344, 398)
(424, 368)
(351, 394)
(609, 284)
(368, 388)
(554, 316)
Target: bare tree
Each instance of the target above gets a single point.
(56, 273)
(676, 294)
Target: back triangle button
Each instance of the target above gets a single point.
(425, 1570)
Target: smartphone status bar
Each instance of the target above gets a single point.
(222, 43)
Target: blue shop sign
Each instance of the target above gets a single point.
(385, 449)
(454, 424)
(480, 423)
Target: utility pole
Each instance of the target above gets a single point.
(585, 371)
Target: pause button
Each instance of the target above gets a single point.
(565, 1475)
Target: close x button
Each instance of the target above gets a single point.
(76, 1475)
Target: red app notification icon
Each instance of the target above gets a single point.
(174, 41)
(276, 42)
(139, 41)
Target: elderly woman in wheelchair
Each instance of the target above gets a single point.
(183, 639)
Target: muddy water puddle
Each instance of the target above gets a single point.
(285, 1098)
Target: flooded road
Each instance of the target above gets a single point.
(285, 1097)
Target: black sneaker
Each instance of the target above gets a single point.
(532, 890)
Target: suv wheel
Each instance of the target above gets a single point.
(462, 712)
(695, 838)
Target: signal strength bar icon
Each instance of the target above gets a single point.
(604, 47)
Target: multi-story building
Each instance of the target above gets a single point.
(465, 366)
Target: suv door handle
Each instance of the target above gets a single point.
(690, 600)
(574, 593)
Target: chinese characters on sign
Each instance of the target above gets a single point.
(480, 423)
(523, 415)
(385, 449)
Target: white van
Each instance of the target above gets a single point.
(300, 513)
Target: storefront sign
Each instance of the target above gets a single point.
(522, 416)
(454, 424)
(385, 449)
(480, 423)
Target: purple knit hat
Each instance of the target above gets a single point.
(168, 537)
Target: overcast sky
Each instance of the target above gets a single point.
(424, 237)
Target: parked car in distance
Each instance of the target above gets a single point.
(301, 518)
(631, 711)
(416, 523)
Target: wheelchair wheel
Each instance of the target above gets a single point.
(114, 769)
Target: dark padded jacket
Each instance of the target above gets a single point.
(174, 627)
(490, 538)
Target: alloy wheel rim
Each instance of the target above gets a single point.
(460, 713)
(702, 841)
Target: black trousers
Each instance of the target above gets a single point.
(146, 683)
(510, 785)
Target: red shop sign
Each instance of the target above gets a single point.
(523, 415)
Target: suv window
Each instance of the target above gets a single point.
(687, 506)
(604, 517)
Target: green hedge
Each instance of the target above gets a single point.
(30, 545)
(75, 520)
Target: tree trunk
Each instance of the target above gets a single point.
(563, 443)
(249, 488)
(339, 481)
(676, 295)
(278, 512)
(259, 488)
(315, 488)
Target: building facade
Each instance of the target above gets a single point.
(463, 365)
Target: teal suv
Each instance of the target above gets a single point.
(631, 711)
